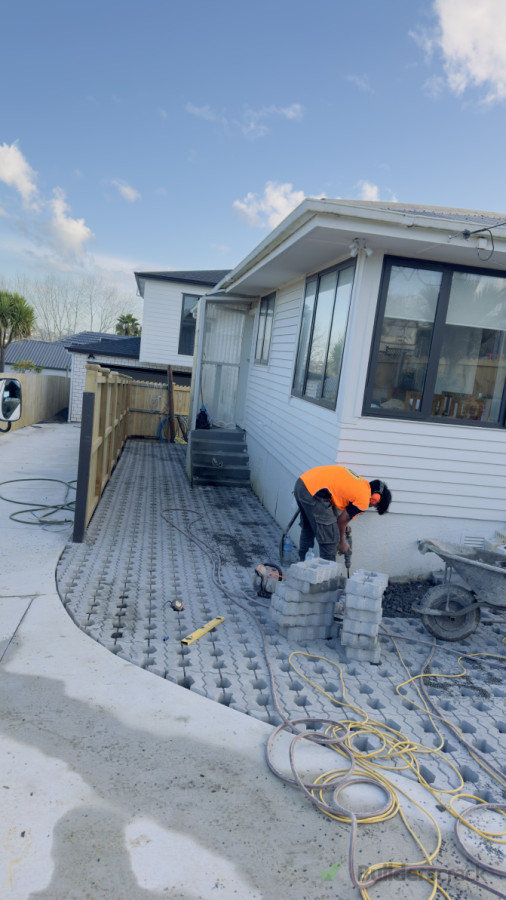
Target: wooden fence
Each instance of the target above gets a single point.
(115, 408)
(42, 396)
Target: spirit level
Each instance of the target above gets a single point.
(200, 632)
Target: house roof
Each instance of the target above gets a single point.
(48, 354)
(318, 233)
(197, 277)
(105, 344)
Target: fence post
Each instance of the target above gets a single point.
(170, 385)
(83, 468)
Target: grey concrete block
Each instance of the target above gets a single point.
(358, 655)
(314, 571)
(358, 603)
(367, 584)
(364, 642)
(352, 626)
(363, 615)
(379, 577)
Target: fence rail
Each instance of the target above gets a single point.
(115, 408)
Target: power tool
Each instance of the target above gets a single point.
(347, 555)
(265, 579)
(284, 555)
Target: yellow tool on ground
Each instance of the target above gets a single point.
(200, 632)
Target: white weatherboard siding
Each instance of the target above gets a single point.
(448, 481)
(286, 435)
(161, 322)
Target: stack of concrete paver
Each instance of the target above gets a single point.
(362, 616)
(302, 608)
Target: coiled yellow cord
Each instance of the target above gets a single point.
(396, 753)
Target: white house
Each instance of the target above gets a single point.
(372, 335)
(168, 320)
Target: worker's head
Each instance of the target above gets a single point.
(380, 496)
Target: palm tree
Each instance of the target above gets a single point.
(17, 319)
(128, 324)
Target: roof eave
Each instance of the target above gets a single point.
(439, 229)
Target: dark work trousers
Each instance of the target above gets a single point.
(318, 520)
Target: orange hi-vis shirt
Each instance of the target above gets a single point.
(344, 485)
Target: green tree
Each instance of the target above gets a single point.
(17, 319)
(26, 365)
(128, 324)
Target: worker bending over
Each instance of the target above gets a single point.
(328, 498)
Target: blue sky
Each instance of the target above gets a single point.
(174, 134)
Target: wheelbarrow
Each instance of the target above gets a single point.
(451, 611)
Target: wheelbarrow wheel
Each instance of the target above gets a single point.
(451, 598)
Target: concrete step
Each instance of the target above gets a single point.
(219, 458)
(224, 436)
(231, 475)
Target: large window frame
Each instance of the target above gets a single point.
(323, 351)
(187, 325)
(425, 408)
(264, 331)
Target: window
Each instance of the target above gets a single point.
(265, 319)
(440, 344)
(187, 329)
(322, 334)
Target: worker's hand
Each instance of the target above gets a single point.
(343, 546)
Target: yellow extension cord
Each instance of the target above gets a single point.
(395, 746)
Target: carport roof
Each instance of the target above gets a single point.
(106, 345)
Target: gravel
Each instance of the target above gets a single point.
(399, 598)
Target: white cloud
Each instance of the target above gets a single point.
(205, 112)
(271, 207)
(126, 190)
(251, 122)
(368, 191)
(254, 124)
(471, 37)
(17, 173)
(72, 234)
(360, 81)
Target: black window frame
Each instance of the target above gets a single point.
(195, 298)
(266, 310)
(424, 413)
(316, 279)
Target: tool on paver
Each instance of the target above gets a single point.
(200, 632)
(177, 605)
(265, 579)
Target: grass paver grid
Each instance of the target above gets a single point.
(119, 583)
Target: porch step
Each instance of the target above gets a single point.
(219, 456)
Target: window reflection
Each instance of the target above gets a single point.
(472, 367)
(405, 338)
(322, 335)
(458, 372)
